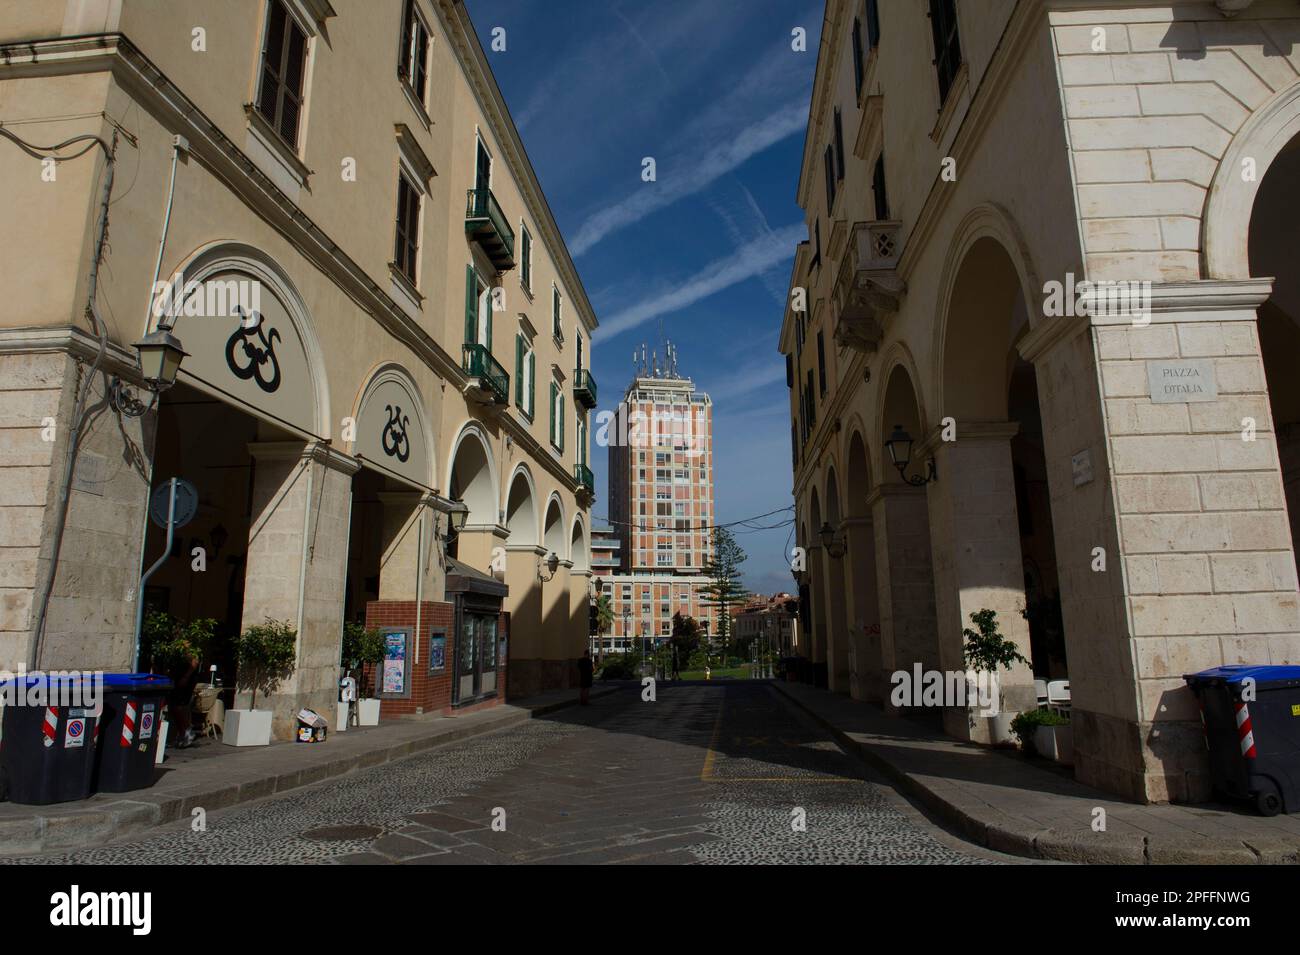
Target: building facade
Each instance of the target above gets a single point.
(661, 503)
(380, 319)
(1040, 343)
(770, 622)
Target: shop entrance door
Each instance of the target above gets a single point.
(476, 656)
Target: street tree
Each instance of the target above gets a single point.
(725, 589)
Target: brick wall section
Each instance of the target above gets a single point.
(430, 692)
(1150, 118)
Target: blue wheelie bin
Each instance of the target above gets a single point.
(1251, 715)
(47, 748)
(132, 724)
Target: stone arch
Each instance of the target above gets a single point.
(982, 225)
(287, 329)
(522, 517)
(1230, 202)
(472, 475)
(834, 510)
(578, 550)
(553, 538)
(857, 471)
(899, 404)
(390, 386)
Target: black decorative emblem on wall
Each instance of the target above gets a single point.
(255, 354)
(400, 446)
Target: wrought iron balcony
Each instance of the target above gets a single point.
(486, 376)
(582, 474)
(487, 225)
(584, 388)
(867, 288)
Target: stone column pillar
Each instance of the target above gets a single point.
(904, 581)
(834, 581)
(579, 617)
(555, 628)
(400, 559)
(862, 609)
(525, 605)
(297, 561)
(1205, 570)
(975, 542)
(818, 611)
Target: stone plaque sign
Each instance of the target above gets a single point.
(1185, 379)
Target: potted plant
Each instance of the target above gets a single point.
(362, 650)
(177, 650)
(988, 651)
(267, 653)
(1045, 733)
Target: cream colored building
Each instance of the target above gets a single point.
(420, 338)
(968, 164)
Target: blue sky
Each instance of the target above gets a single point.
(713, 91)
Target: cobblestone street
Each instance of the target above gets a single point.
(704, 774)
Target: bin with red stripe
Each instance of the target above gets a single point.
(47, 740)
(1251, 716)
(132, 724)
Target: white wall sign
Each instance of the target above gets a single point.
(1186, 379)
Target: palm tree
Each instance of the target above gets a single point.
(604, 620)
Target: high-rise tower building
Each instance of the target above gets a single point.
(661, 502)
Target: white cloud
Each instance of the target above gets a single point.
(754, 258)
(681, 176)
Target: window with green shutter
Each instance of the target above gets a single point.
(554, 438)
(471, 305)
(556, 328)
(560, 444)
(532, 384)
(519, 372)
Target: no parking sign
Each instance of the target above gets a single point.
(146, 723)
(75, 733)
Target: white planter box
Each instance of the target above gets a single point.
(247, 728)
(1055, 743)
(341, 717)
(1000, 729)
(367, 712)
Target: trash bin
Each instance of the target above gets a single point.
(47, 753)
(1254, 743)
(132, 723)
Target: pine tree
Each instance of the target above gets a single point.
(724, 589)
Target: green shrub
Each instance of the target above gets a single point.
(267, 654)
(1026, 723)
(361, 646)
(617, 669)
(166, 643)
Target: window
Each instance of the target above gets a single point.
(413, 59)
(812, 407)
(526, 257)
(406, 245)
(873, 24)
(839, 145)
(857, 56)
(829, 162)
(789, 371)
(878, 189)
(478, 310)
(557, 307)
(816, 260)
(821, 363)
(557, 417)
(947, 46)
(525, 373)
(284, 55)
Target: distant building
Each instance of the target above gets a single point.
(773, 621)
(661, 504)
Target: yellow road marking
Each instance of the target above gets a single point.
(706, 772)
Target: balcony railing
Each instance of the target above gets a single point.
(867, 286)
(486, 373)
(584, 388)
(487, 225)
(582, 474)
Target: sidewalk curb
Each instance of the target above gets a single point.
(139, 811)
(1003, 833)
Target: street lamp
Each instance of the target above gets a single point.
(457, 515)
(899, 447)
(160, 356)
(552, 563)
(834, 543)
(627, 630)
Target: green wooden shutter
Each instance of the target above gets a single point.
(552, 412)
(561, 422)
(488, 336)
(532, 384)
(519, 371)
(471, 305)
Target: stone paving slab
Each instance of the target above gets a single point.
(245, 774)
(1009, 804)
